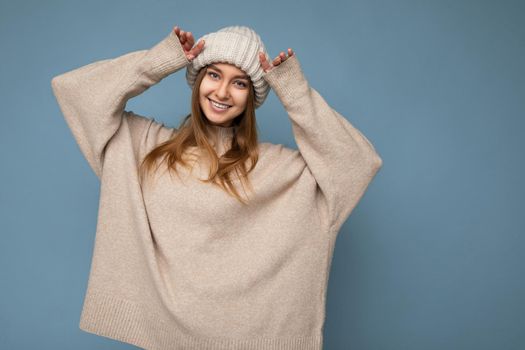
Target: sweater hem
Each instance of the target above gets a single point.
(131, 323)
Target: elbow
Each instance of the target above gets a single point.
(378, 162)
(369, 161)
(59, 81)
(55, 83)
(59, 86)
(375, 162)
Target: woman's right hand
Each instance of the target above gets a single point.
(186, 39)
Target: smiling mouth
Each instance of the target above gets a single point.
(219, 104)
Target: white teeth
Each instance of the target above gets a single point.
(218, 105)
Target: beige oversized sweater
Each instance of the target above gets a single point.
(183, 265)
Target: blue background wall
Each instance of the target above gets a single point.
(431, 258)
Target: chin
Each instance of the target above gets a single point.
(220, 122)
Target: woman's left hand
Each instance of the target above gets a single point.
(277, 61)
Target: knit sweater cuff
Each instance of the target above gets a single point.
(167, 56)
(288, 81)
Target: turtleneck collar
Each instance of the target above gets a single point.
(220, 137)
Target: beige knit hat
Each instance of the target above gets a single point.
(238, 45)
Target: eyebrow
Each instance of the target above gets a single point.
(220, 71)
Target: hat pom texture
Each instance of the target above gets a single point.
(237, 45)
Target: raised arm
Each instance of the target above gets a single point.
(341, 159)
(92, 98)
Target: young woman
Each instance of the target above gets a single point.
(196, 261)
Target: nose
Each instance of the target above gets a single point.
(223, 91)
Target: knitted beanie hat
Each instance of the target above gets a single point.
(237, 45)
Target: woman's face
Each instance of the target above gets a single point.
(227, 85)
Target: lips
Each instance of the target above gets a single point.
(219, 102)
(217, 109)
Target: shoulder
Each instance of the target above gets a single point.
(279, 153)
(278, 166)
(275, 148)
(145, 132)
(142, 126)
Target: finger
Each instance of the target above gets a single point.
(277, 61)
(262, 59)
(200, 44)
(182, 37)
(197, 49)
(264, 62)
(176, 29)
(187, 43)
(191, 40)
(282, 56)
(290, 52)
(190, 45)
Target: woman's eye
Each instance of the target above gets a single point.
(214, 75)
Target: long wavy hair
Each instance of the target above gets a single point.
(192, 133)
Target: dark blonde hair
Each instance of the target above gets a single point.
(192, 133)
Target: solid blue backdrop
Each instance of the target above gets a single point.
(431, 258)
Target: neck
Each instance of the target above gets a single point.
(220, 137)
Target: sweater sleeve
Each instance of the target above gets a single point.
(92, 98)
(340, 158)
